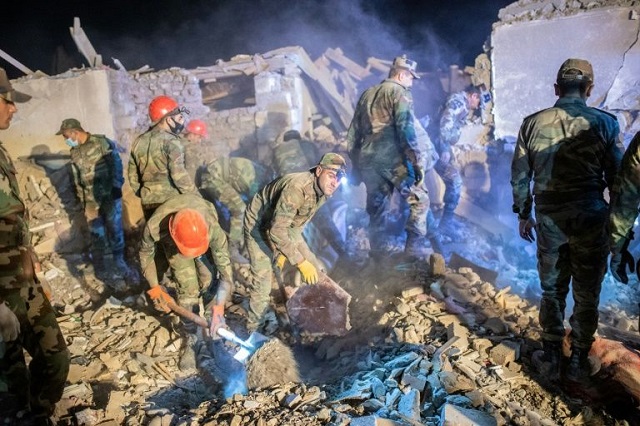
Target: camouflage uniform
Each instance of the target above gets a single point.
(384, 150)
(294, 155)
(571, 152)
(273, 224)
(40, 385)
(625, 196)
(156, 169)
(97, 170)
(191, 275)
(233, 182)
(193, 159)
(454, 115)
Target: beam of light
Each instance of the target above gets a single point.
(236, 383)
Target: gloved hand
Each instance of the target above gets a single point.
(419, 175)
(619, 263)
(280, 261)
(160, 299)
(217, 319)
(525, 227)
(9, 324)
(116, 193)
(308, 271)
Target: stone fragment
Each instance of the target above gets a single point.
(437, 264)
(505, 352)
(409, 405)
(452, 415)
(373, 421)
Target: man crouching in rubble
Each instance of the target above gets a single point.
(572, 152)
(186, 227)
(273, 225)
(27, 320)
(97, 175)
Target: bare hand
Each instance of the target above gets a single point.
(525, 227)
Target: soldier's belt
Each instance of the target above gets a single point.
(566, 197)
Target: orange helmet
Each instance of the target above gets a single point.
(197, 127)
(190, 232)
(160, 106)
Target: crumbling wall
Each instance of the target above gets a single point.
(534, 37)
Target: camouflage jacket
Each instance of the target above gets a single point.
(156, 167)
(452, 119)
(14, 230)
(97, 169)
(282, 209)
(156, 231)
(193, 157)
(571, 152)
(625, 195)
(382, 132)
(294, 156)
(234, 180)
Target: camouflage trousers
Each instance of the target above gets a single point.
(105, 227)
(262, 269)
(381, 183)
(39, 386)
(572, 250)
(190, 275)
(450, 175)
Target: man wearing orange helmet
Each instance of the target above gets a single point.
(195, 133)
(186, 229)
(156, 166)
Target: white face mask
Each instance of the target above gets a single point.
(71, 142)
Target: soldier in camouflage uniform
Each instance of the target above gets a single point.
(187, 231)
(97, 174)
(273, 225)
(571, 152)
(386, 155)
(195, 133)
(625, 197)
(27, 320)
(454, 116)
(233, 182)
(156, 166)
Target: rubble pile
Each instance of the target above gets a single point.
(536, 9)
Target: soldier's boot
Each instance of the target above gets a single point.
(548, 360)
(131, 276)
(449, 227)
(188, 353)
(436, 244)
(580, 368)
(415, 246)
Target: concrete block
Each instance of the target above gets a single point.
(409, 405)
(462, 333)
(373, 421)
(452, 415)
(505, 352)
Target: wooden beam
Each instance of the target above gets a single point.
(13, 61)
(84, 45)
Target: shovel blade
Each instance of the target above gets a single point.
(320, 309)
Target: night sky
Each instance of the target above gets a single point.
(191, 33)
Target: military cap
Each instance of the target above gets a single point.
(7, 92)
(291, 134)
(584, 68)
(333, 161)
(402, 62)
(69, 123)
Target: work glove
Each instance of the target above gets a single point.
(9, 324)
(116, 193)
(280, 261)
(308, 271)
(620, 260)
(217, 319)
(525, 227)
(160, 299)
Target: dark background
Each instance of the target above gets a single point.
(191, 33)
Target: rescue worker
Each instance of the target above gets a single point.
(195, 133)
(97, 175)
(156, 165)
(232, 182)
(386, 155)
(273, 225)
(625, 197)
(455, 113)
(187, 231)
(571, 153)
(27, 320)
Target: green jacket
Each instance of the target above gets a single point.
(282, 209)
(156, 167)
(625, 195)
(570, 152)
(156, 230)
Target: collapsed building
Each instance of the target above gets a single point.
(455, 354)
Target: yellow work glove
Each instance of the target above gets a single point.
(308, 271)
(280, 261)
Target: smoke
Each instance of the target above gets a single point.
(235, 383)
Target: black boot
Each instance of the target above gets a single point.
(579, 368)
(436, 245)
(548, 360)
(415, 246)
